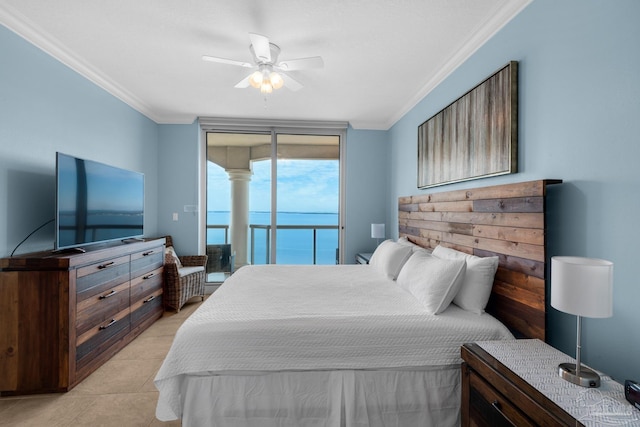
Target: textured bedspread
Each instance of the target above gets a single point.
(284, 318)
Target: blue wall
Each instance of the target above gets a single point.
(179, 177)
(579, 121)
(45, 107)
(367, 184)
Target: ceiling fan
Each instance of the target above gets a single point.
(270, 74)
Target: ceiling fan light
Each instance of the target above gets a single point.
(266, 87)
(256, 79)
(276, 80)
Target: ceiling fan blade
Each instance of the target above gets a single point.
(244, 83)
(301, 63)
(292, 84)
(226, 61)
(261, 47)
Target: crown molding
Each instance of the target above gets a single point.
(486, 31)
(377, 125)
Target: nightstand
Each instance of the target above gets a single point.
(516, 382)
(363, 257)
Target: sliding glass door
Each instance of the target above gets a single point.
(231, 160)
(308, 199)
(272, 197)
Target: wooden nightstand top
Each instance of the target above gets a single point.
(536, 363)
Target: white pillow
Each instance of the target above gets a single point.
(172, 257)
(478, 281)
(433, 281)
(389, 257)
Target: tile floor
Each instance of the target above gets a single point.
(119, 394)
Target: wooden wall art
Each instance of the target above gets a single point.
(474, 137)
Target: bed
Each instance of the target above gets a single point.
(363, 345)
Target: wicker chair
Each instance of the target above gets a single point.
(182, 282)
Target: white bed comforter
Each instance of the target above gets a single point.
(287, 318)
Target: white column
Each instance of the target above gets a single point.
(239, 223)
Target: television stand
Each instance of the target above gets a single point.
(65, 315)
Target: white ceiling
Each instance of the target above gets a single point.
(381, 56)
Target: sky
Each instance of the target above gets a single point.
(303, 186)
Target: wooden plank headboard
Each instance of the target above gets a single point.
(503, 220)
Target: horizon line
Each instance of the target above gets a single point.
(323, 213)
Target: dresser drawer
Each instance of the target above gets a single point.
(146, 287)
(100, 277)
(100, 337)
(149, 307)
(97, 309)
(145, 261)
(143, 286)
(146, 297)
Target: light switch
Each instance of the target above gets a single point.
(175, 216)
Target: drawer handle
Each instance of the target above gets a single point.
(105, 265)
(147, 253)
(496, 406)
(109, 295)
(148, 276)
(151, 298)
(102, 328)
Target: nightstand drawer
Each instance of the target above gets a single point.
(492, 394)
(517, 398)
(490, 408)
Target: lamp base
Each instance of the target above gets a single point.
(587, 377)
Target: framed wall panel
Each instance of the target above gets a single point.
(476, 136)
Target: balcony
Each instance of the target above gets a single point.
(297, 244)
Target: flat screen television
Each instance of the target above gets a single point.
(96, 203)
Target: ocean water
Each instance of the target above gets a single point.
(293, 246)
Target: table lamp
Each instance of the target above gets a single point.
(582, 287)
(377, 232)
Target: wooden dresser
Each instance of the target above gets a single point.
(63, 315)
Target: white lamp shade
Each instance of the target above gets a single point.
(582, 286)
(377, 231)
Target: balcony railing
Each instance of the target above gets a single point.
(267, 237)
(224, 227)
